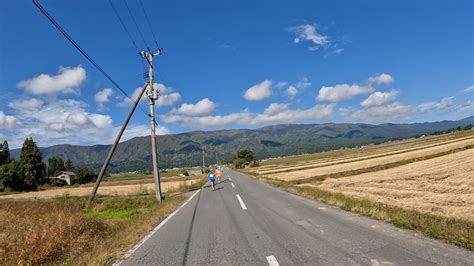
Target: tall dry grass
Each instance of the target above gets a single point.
(59, 231)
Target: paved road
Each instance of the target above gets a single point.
(246, 222)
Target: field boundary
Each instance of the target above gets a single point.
(361, 159)
(376, 167)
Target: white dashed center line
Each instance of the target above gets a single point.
(242, 204)
(272, 261)
(232, 183)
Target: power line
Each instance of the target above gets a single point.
(127, 31)
(149, 24)
(135, 22)
(69, 38)
(123, 25)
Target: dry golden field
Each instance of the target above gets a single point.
(105, 189)
(442, 186)
(336, 166)
(432, 175)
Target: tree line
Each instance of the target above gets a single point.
(29, 172)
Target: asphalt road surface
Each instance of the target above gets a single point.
(246, 222)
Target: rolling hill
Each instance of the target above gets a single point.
(178, 150)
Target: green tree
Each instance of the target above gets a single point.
(55, 165)
(32, 170)
(85, 175)
(9, 178)
(4, 153)
(68, 165)
(243, 157)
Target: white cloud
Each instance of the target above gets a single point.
(29, 104)
(275, 113)
(342, 92)
(67, 80)
(140, 130)
(309, 33)
(303, 83)
(8, 121)
(167, 97)
(292, 91)
(275, 108)
(280, 84)
(381, 79)
(103, 95)
(469, 89)
(379, 98)
(259, 91)
(202, 107)
(444, 103)
(391, 113)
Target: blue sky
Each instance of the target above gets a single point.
(233, 64)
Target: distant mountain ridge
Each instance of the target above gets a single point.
(184, 149)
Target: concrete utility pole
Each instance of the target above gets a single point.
(153, 96)
(203, 163)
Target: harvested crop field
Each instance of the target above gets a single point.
(442, 186)
(107, 190)
(356, 155)
(290, 174)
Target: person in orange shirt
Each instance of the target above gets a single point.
(218, 174)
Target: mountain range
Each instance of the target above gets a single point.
(185, 149)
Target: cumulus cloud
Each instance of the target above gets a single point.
(275, 113)
(202, 107)
(342, 92)
(444, 103)
(8, 121)
(379, 98)
(292, 91)
(29, 104)
(259, 91)
(390, 113)
(67, 80)
(103, 95)
(381, 79)
(309, 33)
(166, 96)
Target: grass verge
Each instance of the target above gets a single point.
(59, 231)
(455, 231)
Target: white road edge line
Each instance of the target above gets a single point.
(242, 204)
(232, 183)
(272, 261)
(144, 239)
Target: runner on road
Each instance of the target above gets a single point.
(218, 174)
(212, 178)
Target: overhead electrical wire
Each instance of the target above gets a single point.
(127, 31)
(78, 47)
(135, 22)
(149, 24)
(123, 26)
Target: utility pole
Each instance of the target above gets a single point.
(203, 163)
(153, 96)
(114, 146)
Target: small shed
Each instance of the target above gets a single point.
(68, 177)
